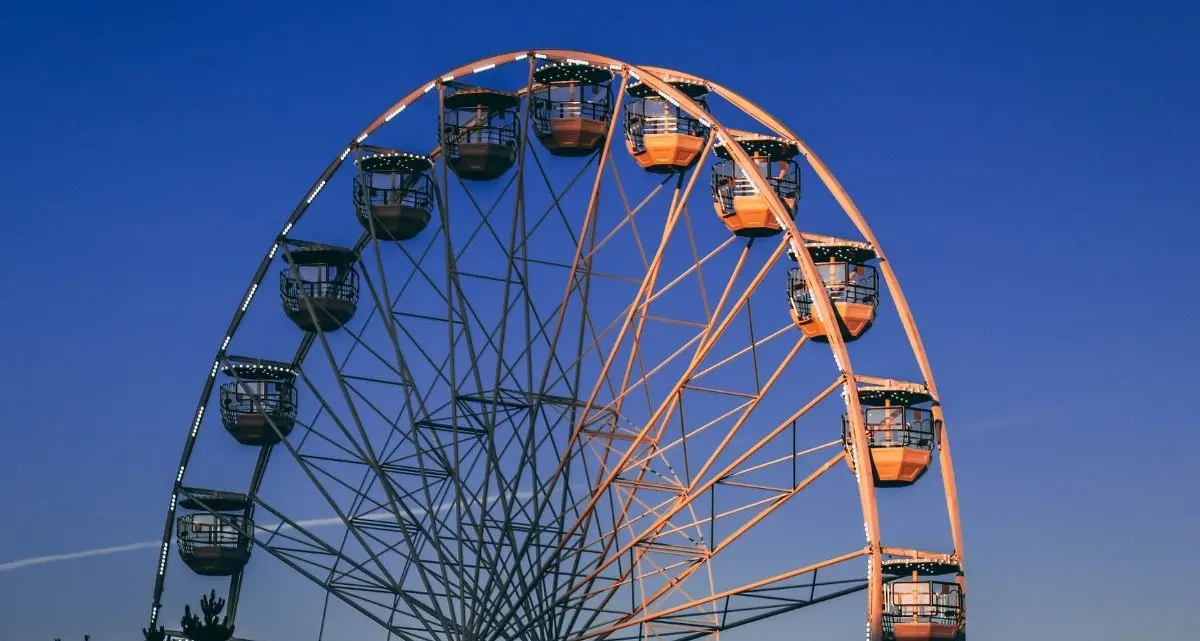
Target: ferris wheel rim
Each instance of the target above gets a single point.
(644, 74)
(907, 319)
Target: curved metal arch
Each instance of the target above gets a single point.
(306, 342)
(907, 320)
(904, 311)
(824, 309)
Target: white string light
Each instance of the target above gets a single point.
(249, 296)
(316, 190)
(394, 113)
(162, 559)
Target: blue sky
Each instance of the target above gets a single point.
(1028, 165)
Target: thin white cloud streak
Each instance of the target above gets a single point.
(71, 556)
(133, 547)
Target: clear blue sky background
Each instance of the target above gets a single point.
(1031, 167)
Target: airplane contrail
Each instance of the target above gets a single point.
(70, 556)
(142, 545)
(131, 547)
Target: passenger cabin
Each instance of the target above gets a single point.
(851, 282)
(215, 535)
(319, 287)
(258, 406)
(662, 137)
(919, 606)
(393, 194)
(480, 131)
(572, 107)
(743, 209)
(901, 431)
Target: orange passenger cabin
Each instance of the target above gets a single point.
(393, 194)
(851, 281)
(480, 129)
(661, 136)
(738, 201)
(572, 107)
(319, 287)
(215, 536)
(258, 406)
(902, 433)
(918, 608)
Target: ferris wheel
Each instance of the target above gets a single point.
(527, 385)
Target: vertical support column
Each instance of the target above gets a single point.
(444, 208)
